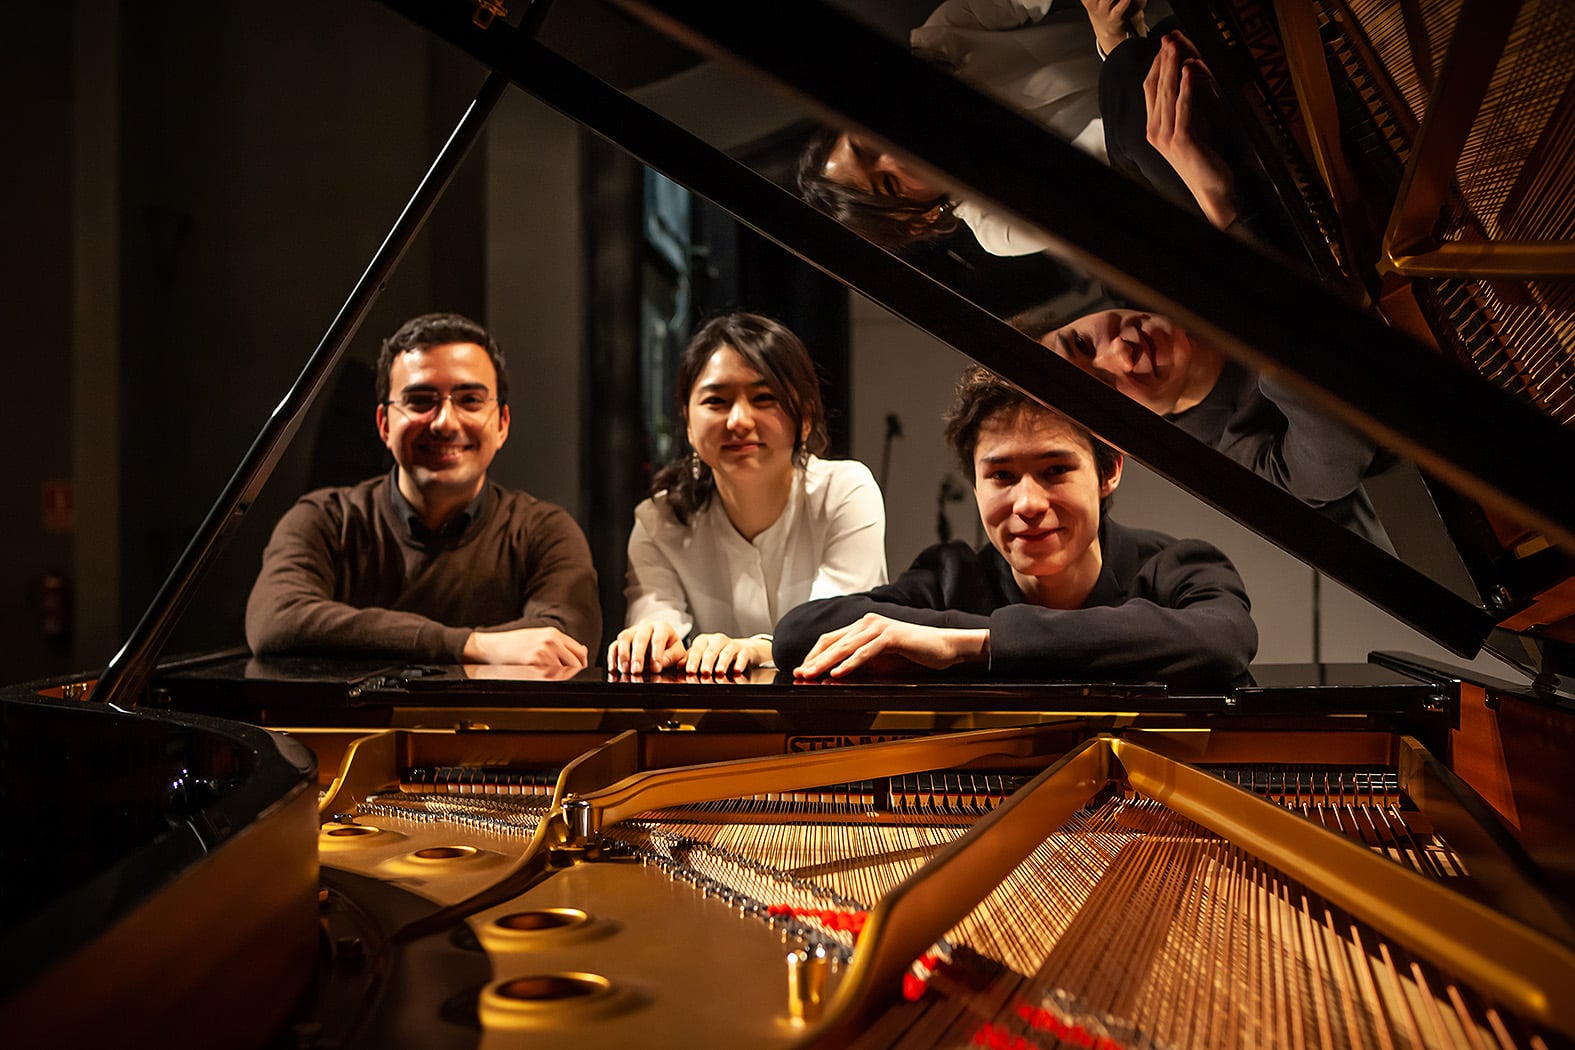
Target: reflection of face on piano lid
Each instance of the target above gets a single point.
(865, 166)
(1141, 355)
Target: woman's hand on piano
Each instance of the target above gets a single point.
(721, 655)
(650, 645)
(880, 643)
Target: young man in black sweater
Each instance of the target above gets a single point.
(1060, 590)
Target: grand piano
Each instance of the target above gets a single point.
(308, 853)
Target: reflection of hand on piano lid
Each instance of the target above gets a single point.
(1178, 91)
(753, 676)
(520, 672)
(1167, 125)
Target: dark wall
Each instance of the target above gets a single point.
(36, 189)
(266, 150)
(262, 155)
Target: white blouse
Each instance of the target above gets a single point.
(704, 577)
(1042, 65)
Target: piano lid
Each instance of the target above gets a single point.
(1311, 325)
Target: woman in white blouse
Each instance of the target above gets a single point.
(747, 521)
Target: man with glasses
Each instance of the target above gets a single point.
(432, 562)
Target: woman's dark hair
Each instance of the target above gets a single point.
(429, 330)
(890, 222)
(982, 395)
(771, 349)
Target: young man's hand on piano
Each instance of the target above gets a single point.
(881, 644)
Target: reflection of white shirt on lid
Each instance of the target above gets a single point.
(704, 577)
(1044, 66)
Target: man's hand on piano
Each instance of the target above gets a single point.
(720, 655)
(879, 643)
(650, 645)
(1179, 92)
(542, 647)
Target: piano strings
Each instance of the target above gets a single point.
(1513, 181)
(1130, 925)
(1138, 925)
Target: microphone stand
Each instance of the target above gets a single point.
(893, 430)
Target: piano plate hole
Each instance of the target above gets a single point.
(350, 830)
(543, 919)
(553, 987)
(444, 852)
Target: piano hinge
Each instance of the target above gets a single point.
(487, 10)
(76, 690)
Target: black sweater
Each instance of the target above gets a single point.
(1162, 609)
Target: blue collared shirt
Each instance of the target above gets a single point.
(446, 535)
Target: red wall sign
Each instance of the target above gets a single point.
(59, 506)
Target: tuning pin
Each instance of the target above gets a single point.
(806, 983)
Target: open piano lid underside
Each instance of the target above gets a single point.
(1408, 396)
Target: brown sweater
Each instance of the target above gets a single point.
(342, 575)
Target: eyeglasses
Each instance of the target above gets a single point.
(423, 404)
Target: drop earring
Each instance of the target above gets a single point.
(694, 465)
